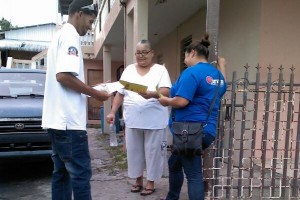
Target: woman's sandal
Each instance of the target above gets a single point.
(147, 191)
(136, 188)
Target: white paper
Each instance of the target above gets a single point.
(109, 87)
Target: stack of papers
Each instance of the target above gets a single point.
(109, 87)
(115, 86)
(158, 92)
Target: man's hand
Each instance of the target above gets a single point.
(70, 81)
(101, 95)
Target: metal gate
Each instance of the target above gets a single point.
(256, 152)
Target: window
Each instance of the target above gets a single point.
(26, 66)
(16, 83)
(19, 65)
(184, 44)
(42, 63)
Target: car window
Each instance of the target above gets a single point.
(14, 84)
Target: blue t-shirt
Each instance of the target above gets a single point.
(198, 84)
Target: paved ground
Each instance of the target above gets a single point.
(109, 182)
(27, 179)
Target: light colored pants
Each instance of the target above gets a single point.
(146, 148)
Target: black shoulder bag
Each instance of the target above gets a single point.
(187, 137)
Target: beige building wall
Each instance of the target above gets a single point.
(259, 32)
(280, 45)
(169, 47)
(239, 34)
(279, 35)
(265, 33)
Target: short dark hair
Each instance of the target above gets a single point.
(76, 5)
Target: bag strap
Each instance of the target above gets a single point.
(213, 101)
(211, 104)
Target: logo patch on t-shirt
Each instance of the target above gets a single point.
(73, 51)
(209, 79)
(212, 81)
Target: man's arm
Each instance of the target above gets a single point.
(70, 81)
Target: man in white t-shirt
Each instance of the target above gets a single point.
(145, 119)
(64, 109)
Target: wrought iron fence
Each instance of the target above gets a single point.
(256, 152)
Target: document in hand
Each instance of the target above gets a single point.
(158, 92)
(133, 86)
(109, 87)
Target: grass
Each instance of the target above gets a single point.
(119, 159)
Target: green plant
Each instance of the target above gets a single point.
(119, 159)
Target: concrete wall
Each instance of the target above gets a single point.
(265, 33)
(259, 32)
(239, 34)
(169, 47)
(279, 35)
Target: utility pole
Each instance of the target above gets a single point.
(212, 28)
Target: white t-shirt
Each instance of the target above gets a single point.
(140, 112)
(64, 108)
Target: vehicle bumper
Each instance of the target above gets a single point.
(38, 153)
(25, 144)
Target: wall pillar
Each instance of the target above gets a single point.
(9, 62)
(140, 21)
(106, 77)
(33, 65)
(129, 47)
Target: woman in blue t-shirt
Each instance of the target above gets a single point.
(191, 96)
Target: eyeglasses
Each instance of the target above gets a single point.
(142, 53)
(92, 8)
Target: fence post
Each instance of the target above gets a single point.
(288, 132)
